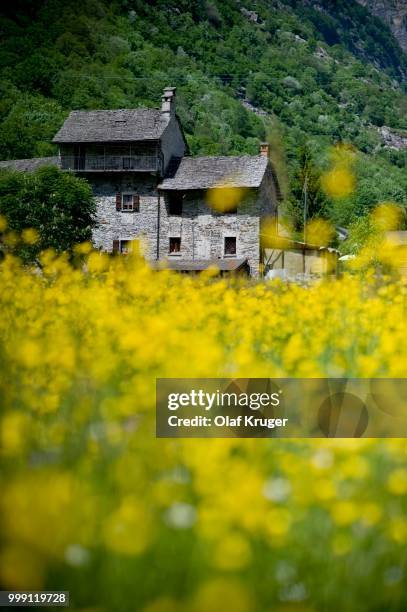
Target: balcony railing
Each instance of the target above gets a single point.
(107, 163)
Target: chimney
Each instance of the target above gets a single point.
(264, 149)
(168, 101)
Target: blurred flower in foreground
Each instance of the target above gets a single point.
(214, 595)
(89, 494)
(319, 232)
(30, 236)
(224, 199)
(83, 248)
(343, 154)
(20, 568)
(382, 244)
(3, 223)
(128, 529)
(338, 182)
(386, 216)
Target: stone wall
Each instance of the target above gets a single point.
(203, 231)
(115, 225)
(172, 142)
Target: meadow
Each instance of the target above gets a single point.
(93, 503)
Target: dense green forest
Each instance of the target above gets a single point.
(304, 74)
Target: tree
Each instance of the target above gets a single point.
(306, 179)
(56, 205)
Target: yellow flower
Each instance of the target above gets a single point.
(218, 593)
(397, 528)
(14, 428)
(397, 482)
(128, 529)
(338, 182)
(344, 512)
(319, 232)
(232, 552)
(387, 216)
(21, 568)
(3, 223)
(224, 199)
(30, 236)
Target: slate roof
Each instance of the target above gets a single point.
(124, 125)
(29, 165)
(207, 172)
(197, 265)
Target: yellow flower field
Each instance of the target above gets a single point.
(94, 504)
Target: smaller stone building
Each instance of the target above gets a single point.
(191, 228)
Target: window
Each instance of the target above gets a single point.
(125, 246)
(230, 246)
(175, 203)
(175, 246)
(122, 246)
(127, 202)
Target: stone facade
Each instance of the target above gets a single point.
(114, 225)
(203, 231)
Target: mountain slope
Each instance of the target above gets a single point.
(394, 13)
(317, 72)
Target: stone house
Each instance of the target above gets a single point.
(148, 187)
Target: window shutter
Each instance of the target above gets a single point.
(116, 246)
(136, 203)
(118, 201)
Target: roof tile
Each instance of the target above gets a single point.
(124, 125)
(29, 165)
(207, 172)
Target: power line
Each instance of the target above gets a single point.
(142, 78)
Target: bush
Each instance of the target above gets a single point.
(56, 207)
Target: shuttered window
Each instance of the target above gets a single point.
(122, 246)
(127, 202)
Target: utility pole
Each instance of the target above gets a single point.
(305, 197)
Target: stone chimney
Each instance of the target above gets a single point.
(264, 149)
(168, 101)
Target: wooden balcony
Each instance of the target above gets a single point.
(110, 163)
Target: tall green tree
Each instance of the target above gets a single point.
(306, 191)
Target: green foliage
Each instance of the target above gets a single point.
(28, 126)
(327, 73)
(58, 205)
(361, 232)
(375, 184)
(306, 186)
